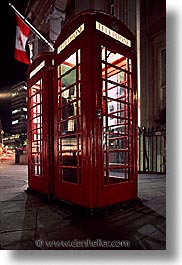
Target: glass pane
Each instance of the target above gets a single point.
(118, 175)
(35, 97)
(69, 79)
(37, 170)
(79, 56)
(70, 62)
(117, 59)
(103, 53)
(67, 65)
(117, 108)
(69, 125)
(116, 75)
(69, 143)
(118, 158)
(36, 146)
(70, 174)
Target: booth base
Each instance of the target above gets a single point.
(50, 199)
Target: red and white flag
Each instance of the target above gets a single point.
(22, 32)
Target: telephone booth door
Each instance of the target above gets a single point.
(116, 124)
(39, 83)
(69, 127)
(95, 112)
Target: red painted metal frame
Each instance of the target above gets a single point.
(92, 191)
(41, 181)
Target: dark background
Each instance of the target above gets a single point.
(11, 71)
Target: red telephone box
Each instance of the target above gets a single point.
(40, 123)
(95, 119)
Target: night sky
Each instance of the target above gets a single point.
(11, 71)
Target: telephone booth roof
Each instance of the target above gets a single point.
(109, 26)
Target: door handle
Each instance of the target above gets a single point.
(99, 114)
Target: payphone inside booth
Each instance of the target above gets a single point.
(95, 119)
(40, 123)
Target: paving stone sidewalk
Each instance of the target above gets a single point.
(30, 222)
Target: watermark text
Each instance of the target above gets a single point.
(87, 243)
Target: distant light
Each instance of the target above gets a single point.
(15, 111)
(5, 95)
(14, 122)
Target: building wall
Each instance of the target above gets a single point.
(152, 49)
(49, 16)
(19, 109)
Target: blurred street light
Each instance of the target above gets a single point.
(2, 132)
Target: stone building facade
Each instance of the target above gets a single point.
(145, 18)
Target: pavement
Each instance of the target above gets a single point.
(29, 222)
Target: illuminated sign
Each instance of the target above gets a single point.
(37, 69)
(72, 37)
(113, 34)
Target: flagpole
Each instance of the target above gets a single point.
(39, 35)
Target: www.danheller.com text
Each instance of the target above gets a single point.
(87, 243)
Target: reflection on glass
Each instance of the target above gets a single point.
(69, 79)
